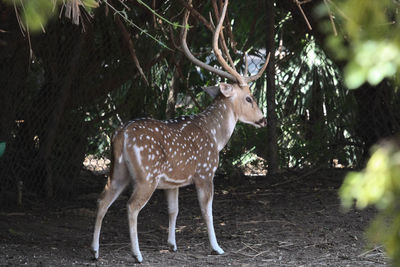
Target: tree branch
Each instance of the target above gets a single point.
(131, 48)
(197, 15)
(298, 3)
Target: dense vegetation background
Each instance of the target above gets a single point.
(66, 87)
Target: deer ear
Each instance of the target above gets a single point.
(213, 91)
(226, 89)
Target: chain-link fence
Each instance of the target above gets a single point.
(60, 107)
(53, 110)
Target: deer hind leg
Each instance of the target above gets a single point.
(205, 193)
(116, 184)
(172, 198)
(141, 194)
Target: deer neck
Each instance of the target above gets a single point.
(219, 120)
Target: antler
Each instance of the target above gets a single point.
(222, 43)
(217, 51)
(231, 73)
(192, 58)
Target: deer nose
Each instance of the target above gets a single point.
(262, 122)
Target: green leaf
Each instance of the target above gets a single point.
(37, 13)
(90, 3)
(355, 75)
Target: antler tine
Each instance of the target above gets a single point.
(222, 41)
(217, 51)
(258, 75)
(192, 58)
(226, 51)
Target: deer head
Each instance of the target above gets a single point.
(245, 106)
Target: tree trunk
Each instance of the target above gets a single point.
(56, 116)
(272, 145)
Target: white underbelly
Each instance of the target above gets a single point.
(165, 182)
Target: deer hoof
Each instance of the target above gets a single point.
(95, 254)
(172, 247)
(139, 258)
(218, 251)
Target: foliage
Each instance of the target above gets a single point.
(369, 45)
(312, 96)
(247, 157)
(379, 185)
(304, 58)
(37, 13)
(368, 38)
(316, 117)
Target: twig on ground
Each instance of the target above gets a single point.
(267, 221)
(116, 244)
(195, 256)
(369, 251)
(248, 246)
(121, 248)
(284, 244)
(252, 255)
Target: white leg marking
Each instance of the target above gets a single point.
(206, 209)
(133, 234)
(210, 228)
(173, 209)
(138, 200)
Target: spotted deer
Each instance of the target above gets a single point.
(152, 154)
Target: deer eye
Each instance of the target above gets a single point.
(248, 99)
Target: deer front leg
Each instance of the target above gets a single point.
(173, 209)
(205, 193)
(141, 194)
(115, 185)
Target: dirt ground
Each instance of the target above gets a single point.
(290, 219)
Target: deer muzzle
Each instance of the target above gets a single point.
(262, 122)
